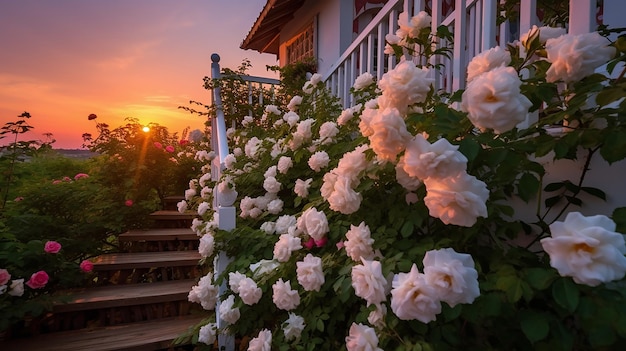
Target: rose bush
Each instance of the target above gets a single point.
(403, 230)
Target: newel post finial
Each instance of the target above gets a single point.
(215, 58)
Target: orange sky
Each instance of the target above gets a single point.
(62, 60)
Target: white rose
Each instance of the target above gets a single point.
(262, 267)
(390, 136)
(545, 33)
(439, 159)
(359, 243)
(459, 200)
(366, 120)
(284, 163)
(404, 85)
(452, 275)
(227, 313)
(413, 298)
(354, 162)
(368, 282)
(293, 327)
(328, 131)
(229, 161)
(284, 222)
(486, 61)
(403, 178)
(182, 205)
(348, 114)
(587, 249)
(291, 118)
(271, 185)
(275, 206)
(309, 272)
(207, 333)
(493, 100)
(343, 198)
(284, 297)
(285, 245)
(207, 243)
(294, 103)
(314, 223)
(269, 227)
(204, 293)
(318, 160)
(362, 338)
(575, 57)
(263, 341)
(363, 81)
(377, 316)
(249, 292)
(272, 109)
(17, 287)
(252, 147)
(302, 187)
(203, 207)
(247, 120)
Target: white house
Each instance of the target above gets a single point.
(347, 37)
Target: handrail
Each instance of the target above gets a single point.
(219, 140)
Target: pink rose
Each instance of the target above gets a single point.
(86, 266)
(128, 202)
(158, 145)
(67, 179)
(56, 181)
(169, 148)
(38, 280)
(19, 198)
(183, 142)
(5, 276)
(321, 242)
(81, 176)
(52, 247)
(310, 244)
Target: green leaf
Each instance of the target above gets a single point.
(614, 147)
(594, 192)
(554, 186)
(470, 148)
(407, 229)
(610, 94)
(566, 294)
(619, 217)
(528, 186)
(601, 335)
(534, 325)
(320, 325)
(540, 278)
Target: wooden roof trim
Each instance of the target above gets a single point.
(263, 36)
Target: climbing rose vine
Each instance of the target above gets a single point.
(419, 219)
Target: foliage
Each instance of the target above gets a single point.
(524, 303)
(22, 260)
(294, 75)
(141, 166)
(17, 151)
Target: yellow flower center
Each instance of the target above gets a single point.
(583, 247)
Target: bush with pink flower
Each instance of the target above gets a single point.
(432, 220)
(30, 272)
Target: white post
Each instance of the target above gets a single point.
(582, 16)
(458, 58)
(490, 10)
(223, 199)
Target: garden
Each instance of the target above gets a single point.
(422, 220)
(57, 213)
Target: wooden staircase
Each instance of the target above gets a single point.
(139, 299)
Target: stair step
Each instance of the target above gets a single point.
(173, 215)
(152, 335)
(124, 295)
(132, 260)
(160, 234)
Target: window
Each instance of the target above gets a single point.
(302, 46)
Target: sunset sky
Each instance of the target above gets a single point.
(62, 60)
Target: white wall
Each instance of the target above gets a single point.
(333, 34)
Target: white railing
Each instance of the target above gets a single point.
(223, 204)
(475, 28)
